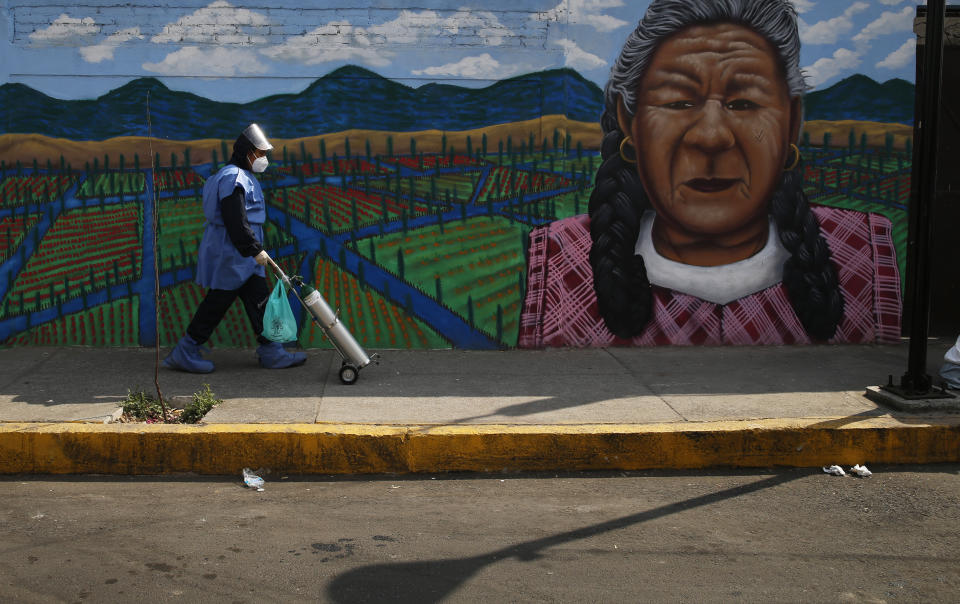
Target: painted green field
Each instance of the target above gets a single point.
(372, 320)
(110, 324)
(112, 183)
(474, 268)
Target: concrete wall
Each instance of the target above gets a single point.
(426, 157)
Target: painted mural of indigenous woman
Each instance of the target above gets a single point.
(698, 229)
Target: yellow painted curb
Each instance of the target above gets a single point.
(361, 449)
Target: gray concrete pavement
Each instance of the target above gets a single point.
(564, 387)
(787, 535)
(454, 410)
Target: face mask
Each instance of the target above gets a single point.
(259, 164)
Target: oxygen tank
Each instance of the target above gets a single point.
(339, 335)
(354, 358)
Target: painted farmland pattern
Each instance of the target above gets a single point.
(418, 250)
(435, 162)
(335, 209)
(507, 183)
(83, 249)
(179, 229)
(178, 303)
(110, 324)
(475, 268)
(332, 167)
(178, 180)
(12, 231)
(36, 188)
(373, 320)
(437, 187)
(111, 184)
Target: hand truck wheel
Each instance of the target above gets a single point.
(349, 374)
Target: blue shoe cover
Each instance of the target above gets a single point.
(186, 357)
(275, 356)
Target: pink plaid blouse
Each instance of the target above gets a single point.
(560, 308)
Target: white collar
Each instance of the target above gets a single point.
(718, 284)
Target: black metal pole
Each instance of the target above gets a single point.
(924, 178)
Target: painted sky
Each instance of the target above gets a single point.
(237, 50)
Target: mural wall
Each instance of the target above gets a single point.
(434, 168)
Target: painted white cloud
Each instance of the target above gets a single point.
(337, 41)
(887, 23)
(482, 67)
(803, 6)
(221, 62)
(483, 24)
(901, 57)
(341, 41)
(577, 58)
(829, 31)
(826, 68)
(217, 23)
(104, 50)
(411, 27)
(66, 31)
(584, 12)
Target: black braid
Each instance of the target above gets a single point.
(809, 275)
(617, 203)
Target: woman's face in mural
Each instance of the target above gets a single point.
(712, 130)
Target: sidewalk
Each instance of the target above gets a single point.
(450, 410)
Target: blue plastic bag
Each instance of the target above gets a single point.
(279, 324)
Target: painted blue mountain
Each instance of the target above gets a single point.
(350, 97)
(861, 98)
(353, 97)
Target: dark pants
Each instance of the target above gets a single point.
(214, 307)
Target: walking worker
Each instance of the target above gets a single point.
(232, 259)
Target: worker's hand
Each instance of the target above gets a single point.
(263, 258)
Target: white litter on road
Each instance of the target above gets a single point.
(252, 480)
(856, 470)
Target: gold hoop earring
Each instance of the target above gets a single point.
(624, 143)
(796, 159)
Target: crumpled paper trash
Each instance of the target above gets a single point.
(834, 470)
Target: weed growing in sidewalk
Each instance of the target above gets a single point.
(142, 407)
(203, 401)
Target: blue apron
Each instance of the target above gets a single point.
(220, 265)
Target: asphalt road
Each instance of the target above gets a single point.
(767, 536)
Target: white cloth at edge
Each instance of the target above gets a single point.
(953, 355)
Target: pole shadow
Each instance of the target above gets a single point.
(433, 580)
